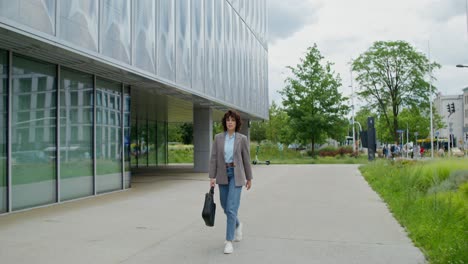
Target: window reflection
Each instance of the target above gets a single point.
(197, 46)
(108, 137)
(76, 135)
(209, 48)
(33, 133)
(183, 43)
(3, 129)
(115, 28)
(38, 14)
(127, 128)
(145, 40)
(79, 22)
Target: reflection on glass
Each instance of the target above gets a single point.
(249, 84)
(33, 130)
(242, 8)
(227, 66)
(198, 67)
(242, 60)
(134, 144)
(183, 63)
(162, 142)
(127, 153)
(108, 136)
(79, 23)
(166, 49)
(76, 134)
(235, 59)
(142, 143)
(37, 14)
(219, 49)
(115, 29)
(209, 48)
(145, 35)
(3, 129)
(152, 156)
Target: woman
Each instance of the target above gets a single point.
(230, 169)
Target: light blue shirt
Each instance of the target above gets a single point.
(229, 147)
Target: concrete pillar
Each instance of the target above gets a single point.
(202, 138)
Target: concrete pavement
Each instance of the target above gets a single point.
(292, 214)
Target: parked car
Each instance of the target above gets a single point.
(456, 152)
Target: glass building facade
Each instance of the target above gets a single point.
(85, 86)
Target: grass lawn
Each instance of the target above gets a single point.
(430, 199)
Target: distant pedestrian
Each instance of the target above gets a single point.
(392, 150)
(230, 169)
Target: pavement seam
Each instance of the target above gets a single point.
(334, 241)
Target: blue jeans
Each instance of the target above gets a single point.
(230, 195)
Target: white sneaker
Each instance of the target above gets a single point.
(238, 233)
(228, 248)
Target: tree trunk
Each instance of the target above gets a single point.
(395, 125)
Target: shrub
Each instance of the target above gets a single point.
(328, 152)
(346, 150)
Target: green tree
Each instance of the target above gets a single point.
(362, 115)
(258, 131)
(419, 121)
(174, 132)
(391, 76)
(278, 129)
(312, 101)
(186, 131)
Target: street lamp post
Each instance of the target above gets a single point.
(430, 101)
(352, 108)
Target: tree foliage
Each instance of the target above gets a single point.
(312, 101)
(258, 131)
(180, 132)
(391, 77)
(278, 129)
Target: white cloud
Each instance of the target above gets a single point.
(288, 17)
(345, 29)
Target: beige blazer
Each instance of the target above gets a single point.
(242, 169)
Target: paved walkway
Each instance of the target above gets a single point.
(293, 214)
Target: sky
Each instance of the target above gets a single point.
(344, 29)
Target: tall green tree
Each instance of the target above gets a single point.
(391, 76)
(311, 99)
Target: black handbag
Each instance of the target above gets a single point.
(209, 208)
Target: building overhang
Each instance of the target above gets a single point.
(180, 99)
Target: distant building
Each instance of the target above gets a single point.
(452, 109)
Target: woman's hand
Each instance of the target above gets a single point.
(248, 184)
(212, 182)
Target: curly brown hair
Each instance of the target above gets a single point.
(236, 116)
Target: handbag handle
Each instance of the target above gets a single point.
(212, 190)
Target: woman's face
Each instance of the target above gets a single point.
(231, 123)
